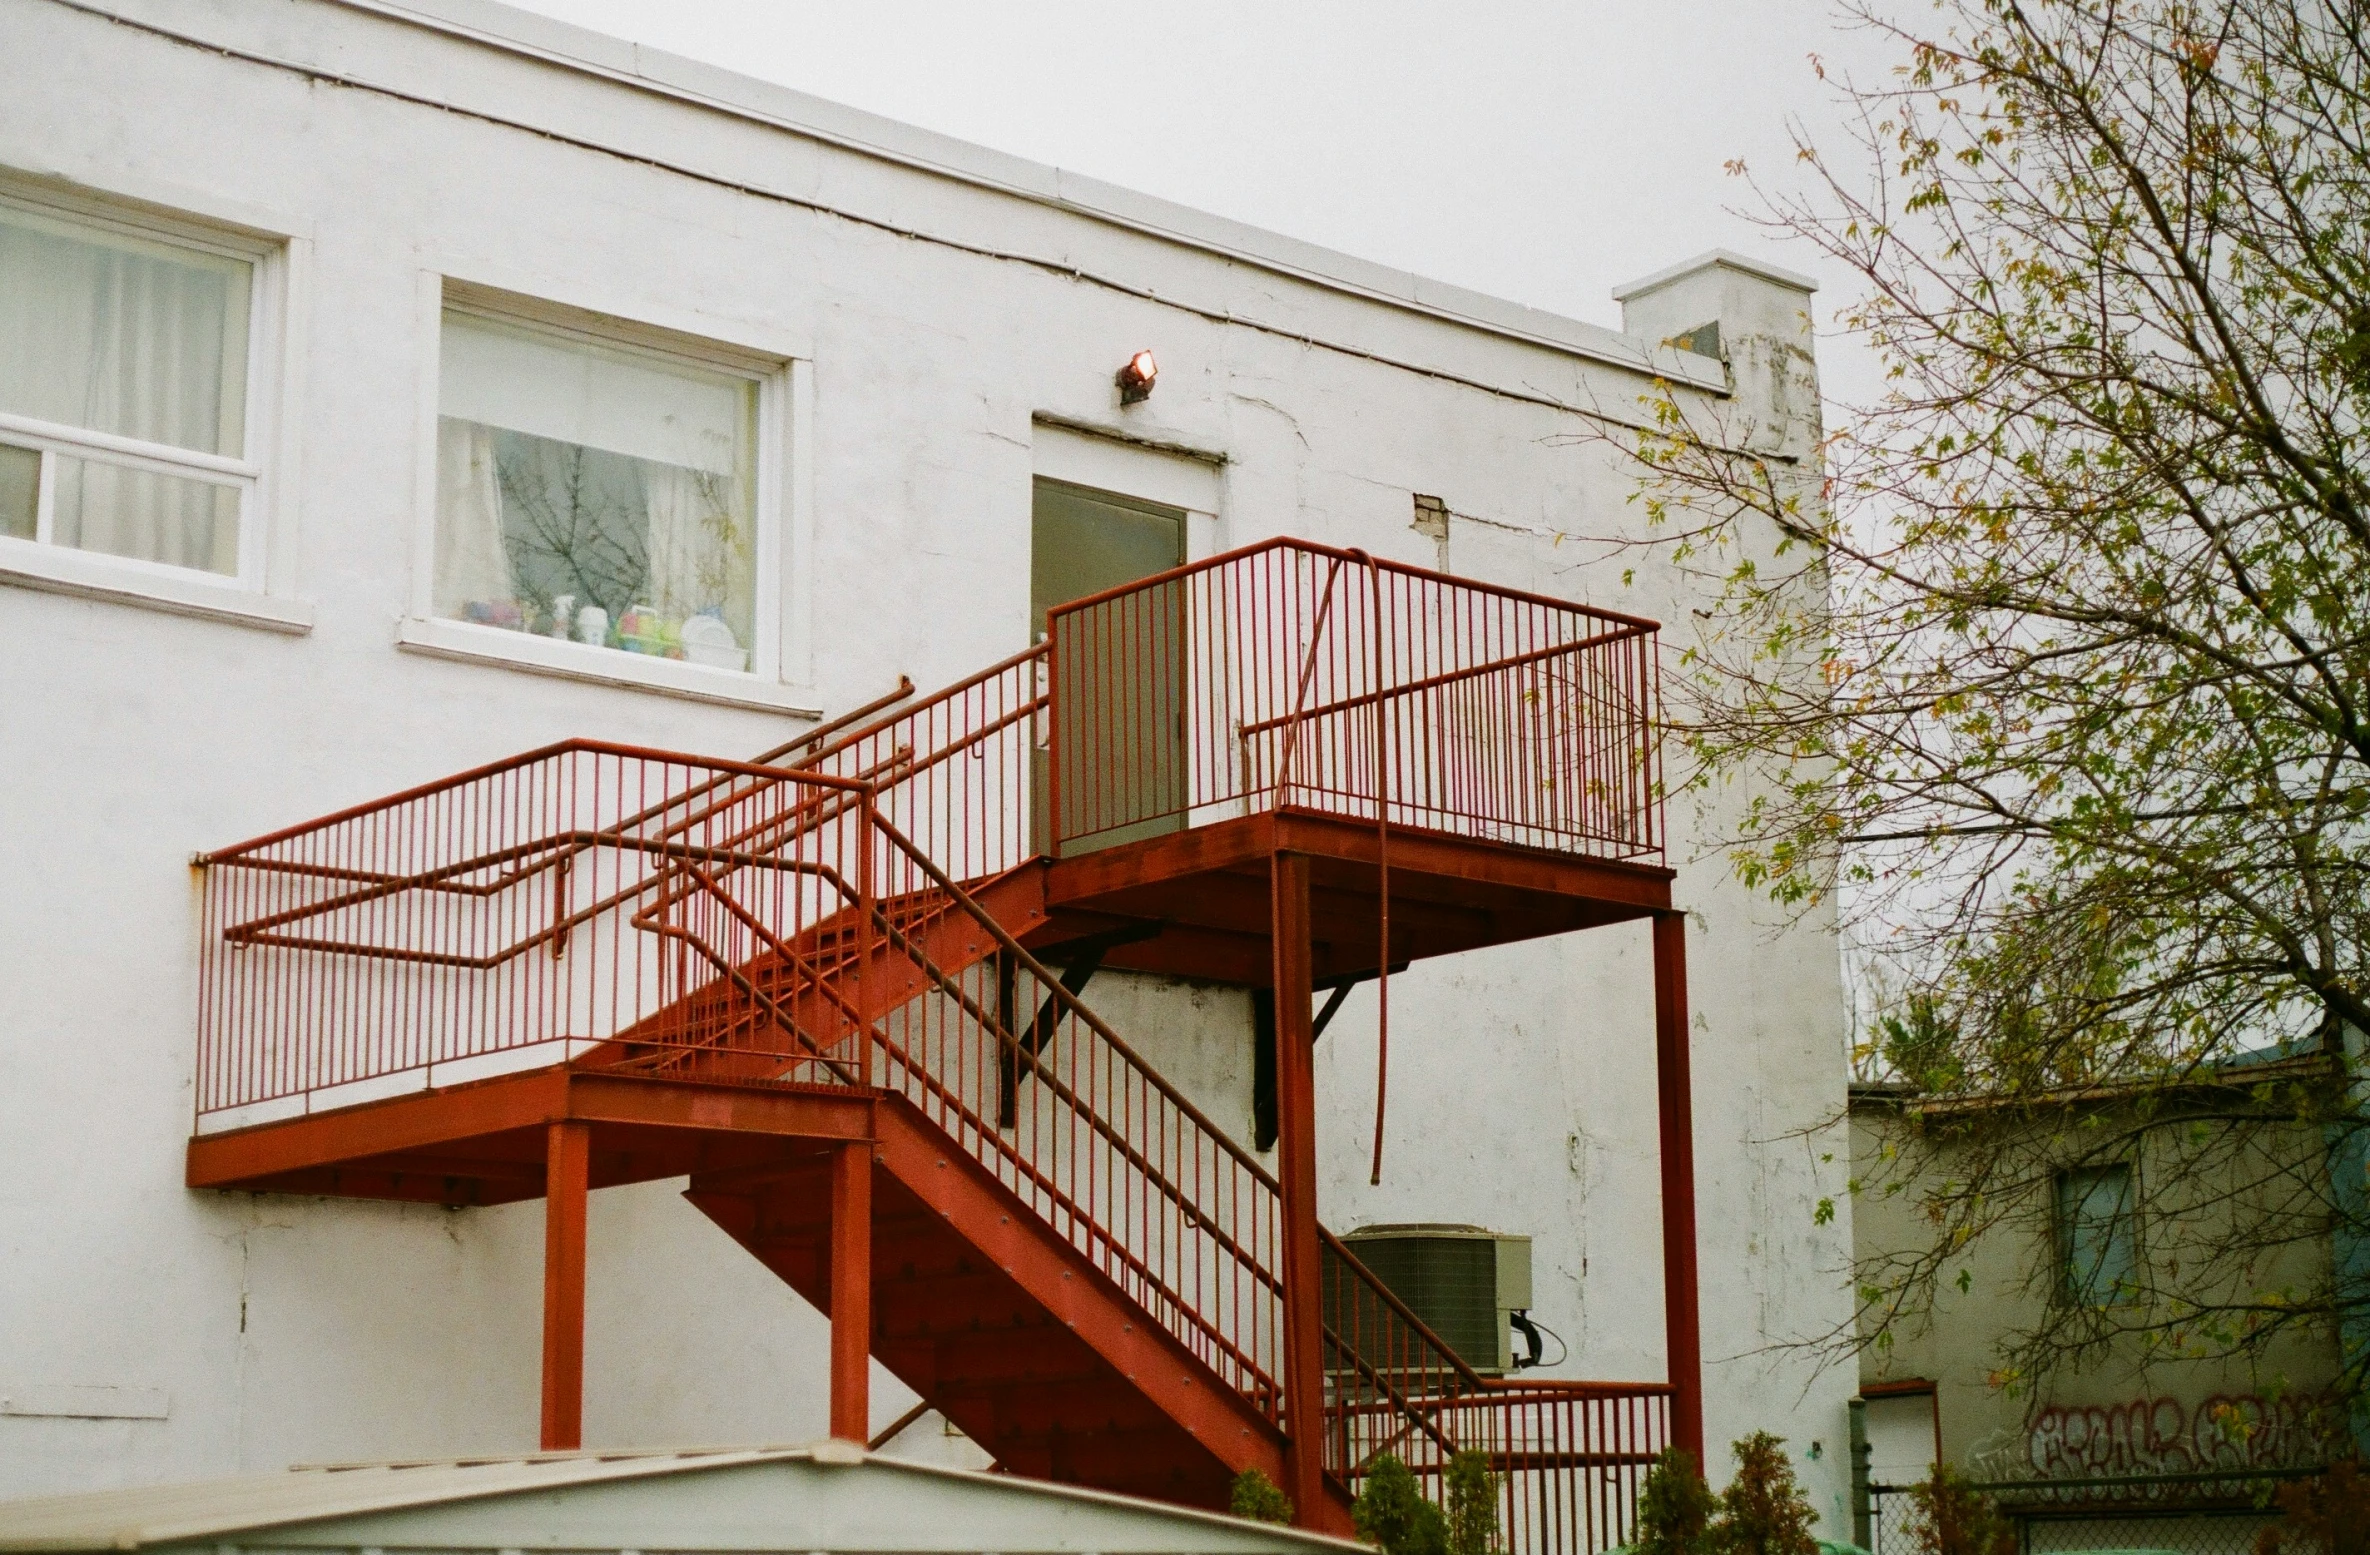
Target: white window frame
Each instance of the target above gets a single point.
(261, 592)
(775, 679)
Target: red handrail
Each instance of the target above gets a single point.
(1256, 681)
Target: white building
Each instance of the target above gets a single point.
(310, 311)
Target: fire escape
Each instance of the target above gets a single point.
(838, 989)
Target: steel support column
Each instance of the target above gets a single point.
(851, 1291)
(1681, 1317)
(1296, 1168)
(567, 1178)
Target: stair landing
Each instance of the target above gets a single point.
(1207, 891)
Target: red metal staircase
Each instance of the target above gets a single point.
(839, 990)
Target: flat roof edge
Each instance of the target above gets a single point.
(564, 45)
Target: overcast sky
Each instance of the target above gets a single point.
(1541, 150)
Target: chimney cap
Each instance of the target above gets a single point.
(1718, 258)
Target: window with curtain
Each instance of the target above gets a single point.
(595, 492)
(2098, 1246)
(123, 391)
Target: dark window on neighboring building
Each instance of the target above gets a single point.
(2097, 1240)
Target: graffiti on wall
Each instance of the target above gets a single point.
(2162, 1436)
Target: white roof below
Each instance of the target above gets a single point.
(830, 1496)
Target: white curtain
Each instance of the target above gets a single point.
(472, 565)
(156, 518)
(118, 335)
(628, 475)
(700, 556)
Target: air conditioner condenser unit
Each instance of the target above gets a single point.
(1466, 1283)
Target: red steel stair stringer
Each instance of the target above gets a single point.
(1142, 1359)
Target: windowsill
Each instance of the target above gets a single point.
(601, 666)
(92, 575)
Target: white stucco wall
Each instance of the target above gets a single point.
(283, 1329)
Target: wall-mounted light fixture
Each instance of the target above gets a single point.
(1135, 379)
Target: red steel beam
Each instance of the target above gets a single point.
(1092, 879)
(377, 1128)
(1415, 851)
(567, 1180)
(443, 1117)
(851, 1291)
(1296, 1169)
(1682, 1319)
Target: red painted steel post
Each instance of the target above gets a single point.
(1682, 1320)
(1296, 1167)
(567, 1178)
(851, 1291)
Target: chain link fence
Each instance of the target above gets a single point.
(2161, 1514)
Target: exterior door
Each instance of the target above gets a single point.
(1123, 744)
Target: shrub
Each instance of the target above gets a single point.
(1472, 1505)
(1763, 1511)
(2325, 1516)
(1392, 1514)
(1956, 1519)
(1259, 1498)
(1675, 1507)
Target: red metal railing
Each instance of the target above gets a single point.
(524, 913)
(1571, 1458)
(831, 922)
(1291, 675)
(954, 771)
(1568, 1457)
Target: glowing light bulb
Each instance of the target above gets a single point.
(1135, 379)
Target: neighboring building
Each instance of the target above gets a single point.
(388, 388)
(2144, 1446)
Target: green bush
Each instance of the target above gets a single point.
(1392, 1514)
(1259, 1498)
(1675, 1507)
(1472, 1505)
(1956, 1519)
(1763, 1511)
